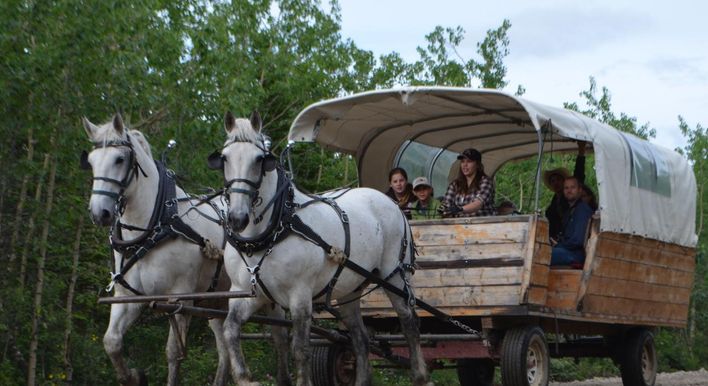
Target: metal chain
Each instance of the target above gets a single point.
(464, 327)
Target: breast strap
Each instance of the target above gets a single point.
(165, 222)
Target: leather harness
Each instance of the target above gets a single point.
(165, 221)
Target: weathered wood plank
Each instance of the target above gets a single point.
(564, 280)
(466, 234)
(644, 253)
(638, 291)
(536, 295)
(655, 244)
(539, 275)
(563, 285)
(542, 253)
(467, 277)
(541, 230)
(642, 273)
(469, 263)
(471, 220)
(469, 296)
(477, 251)
(561, 300)
(528, 260)
(598, 304)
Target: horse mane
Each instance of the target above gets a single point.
(139, 137)
(107, 133)
(244, 132)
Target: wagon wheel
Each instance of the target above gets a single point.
(524, 357)
(638, 358)
(475, 372)
(333, 365)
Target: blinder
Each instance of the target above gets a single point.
(83, 162)
(215, 161)
(270, 162)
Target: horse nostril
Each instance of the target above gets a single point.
(105, 214)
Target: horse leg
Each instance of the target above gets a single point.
(301, 312)
(280, 341)
(217, 326)
(122, 317)
(240, 310)
(351, 316)
(176, 346)
(410, 327)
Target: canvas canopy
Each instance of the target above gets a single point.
(643, 189)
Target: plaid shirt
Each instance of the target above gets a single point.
(485, 194)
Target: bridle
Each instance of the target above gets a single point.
(268, 163)
(131, 172)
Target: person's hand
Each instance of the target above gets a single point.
(454, 209)
(581, 147)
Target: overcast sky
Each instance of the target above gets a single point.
(651, 55)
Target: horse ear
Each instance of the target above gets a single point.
(229, 122)
(118, 123)
(256, 121)
(215, 161)
(89, 127)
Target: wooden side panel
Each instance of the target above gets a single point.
(539, 259)
(563, 287)
(465, 267)
(637, 278)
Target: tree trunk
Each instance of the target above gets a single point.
(346, 169)
(36, 314)
(21, 202)
(2, 200)
(70, 300)
(30, 227)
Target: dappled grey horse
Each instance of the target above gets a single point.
(290, 247)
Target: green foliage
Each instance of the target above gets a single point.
(172, 69)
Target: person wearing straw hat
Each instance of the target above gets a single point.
(553, 179)
(426, 207)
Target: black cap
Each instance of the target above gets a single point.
(471, 154)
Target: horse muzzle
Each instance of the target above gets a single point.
(238, 220)
(100, 213)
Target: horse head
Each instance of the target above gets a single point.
(245, 160)
(115, 165)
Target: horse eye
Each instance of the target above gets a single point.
(120, 160)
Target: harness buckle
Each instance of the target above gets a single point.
(114, 278)
(254, 277)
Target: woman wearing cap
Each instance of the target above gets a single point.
(427, 206)
(472, 192)
(400, 190)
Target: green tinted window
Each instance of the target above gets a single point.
(419, 159)
(649, 170)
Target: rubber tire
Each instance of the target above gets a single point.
(326, 361)
(638, 360)
(520, 346)
(475, 372)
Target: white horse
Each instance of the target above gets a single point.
(290, 266)
(164, 243)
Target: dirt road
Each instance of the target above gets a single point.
(679, 378)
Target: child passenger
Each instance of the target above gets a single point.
(426, 207)
(400, 190)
